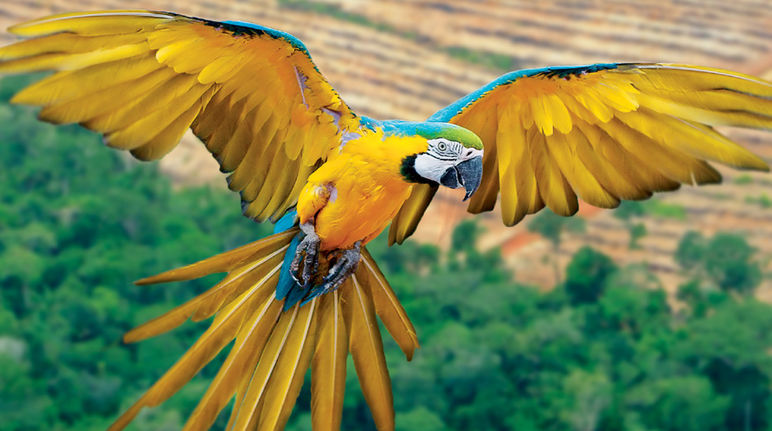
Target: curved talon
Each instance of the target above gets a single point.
(309, 246)
(343, 268)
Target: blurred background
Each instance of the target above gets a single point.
(654, 316)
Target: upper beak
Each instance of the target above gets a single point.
(467, 174)
(470, 172)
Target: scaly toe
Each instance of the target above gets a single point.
(343, 268)
(307, 252)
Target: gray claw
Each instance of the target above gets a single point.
(345, 266)
(309, 246)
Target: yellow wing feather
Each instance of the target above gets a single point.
(224, 262)
(142, 78)
(484, 198)
(405, 222)
(603, 132)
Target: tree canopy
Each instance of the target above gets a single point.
(601, 351)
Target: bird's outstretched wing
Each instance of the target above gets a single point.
(142, 78)
(603, 132)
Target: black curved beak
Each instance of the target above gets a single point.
(467, 174)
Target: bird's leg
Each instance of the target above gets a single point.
(310, 246)
(344, 266)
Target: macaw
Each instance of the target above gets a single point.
(332, 180)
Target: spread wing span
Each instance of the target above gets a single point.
(603, 132)
(142, 78)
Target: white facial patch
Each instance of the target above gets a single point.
(431, 167)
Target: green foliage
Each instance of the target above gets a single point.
(637, 231)
(78, 223)
(419, 418)
(487, 59)
(602, 351)
(680, 404)
(763, 200)
(336, 12)
(586, 275)
(743, 179)
(552, 226)
(726, 260)
(628, 211)
(658, 208)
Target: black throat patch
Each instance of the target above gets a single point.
(409, 173)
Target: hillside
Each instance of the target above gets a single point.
(405, 59)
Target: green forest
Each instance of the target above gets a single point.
(603, 350)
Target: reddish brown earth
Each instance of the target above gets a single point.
(407, 73)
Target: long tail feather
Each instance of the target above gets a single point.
(287, 378)
(387, 306)
(224, 262)
(224, 328)
(367, 350)
(242, 358)
(249, 409)
(273, 348)
(209, 302)
(328, 371)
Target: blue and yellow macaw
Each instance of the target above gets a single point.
(332, 180)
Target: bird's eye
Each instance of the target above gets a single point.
(442, 146)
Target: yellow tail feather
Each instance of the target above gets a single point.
(242, 358)
(266, 366)
(328, 371)
(387, 305)
(367, 351)
(224, 262)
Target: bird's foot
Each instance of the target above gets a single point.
(308, 253)
(344, 266)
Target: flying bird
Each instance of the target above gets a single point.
(332, 180)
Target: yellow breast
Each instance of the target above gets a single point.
(366, 189)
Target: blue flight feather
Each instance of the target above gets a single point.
(295, 295)
(315, 291)
(286, 282)
(288, 221)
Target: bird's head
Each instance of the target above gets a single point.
(453, 158)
